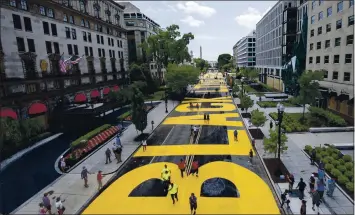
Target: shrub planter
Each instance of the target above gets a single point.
(256, 133)
(337, 165)
(77, 154)
(276, 168)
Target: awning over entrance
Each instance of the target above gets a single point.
(37, 108)
(115, 88)
(80, 98)
(8, 112)
(106, 90)
(95, 94)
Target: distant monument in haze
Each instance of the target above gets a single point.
(201, 52)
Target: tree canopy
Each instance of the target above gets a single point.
(139, 113)
(250, 73)
(201, 64)
(168, 46)
(224, 59)
(245, 102)
(258, 118)
(271, 143)
(178, 77)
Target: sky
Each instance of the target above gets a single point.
(216, 25)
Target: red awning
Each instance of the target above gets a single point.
(80, 97)
(37, 108)
(94, 94)
(8, 112)
(116, 88)
(106, 90)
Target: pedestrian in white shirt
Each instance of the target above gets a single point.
(62, 164)
(59, 206)
(144, 144)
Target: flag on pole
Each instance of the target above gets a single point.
(75, 59)
(63, 64)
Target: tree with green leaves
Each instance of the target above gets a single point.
(178, 77)
(309, 88)
(235, 89)
(224, 59)
(135, 72)
(201, 63)
(271, 143)
(246, 102)
(250, 73)
(258, 118)
(167, 46)
(139, 113)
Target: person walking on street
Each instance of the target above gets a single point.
(291, 181)
(182, 166)
(312, 182)
(301, 186)
(193, 203)
(114, 149)
(251, 156)
(144, 144)
(99, 177)
(84, 175)
(42, 209)
(47, 202)
(303, 210)
(315, 200)
(235, 135)
(320, 188)
(173, 191)
(284, 199)
(194, 168)
(313, 156)
(63, 165)
(59, 206)
(108, 156)
(119, 153)
(331, 187)
(166, 180)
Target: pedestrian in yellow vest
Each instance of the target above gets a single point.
(164, 170)
(173, 191)
(166, 180)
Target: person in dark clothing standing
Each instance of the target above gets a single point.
(313, 156)
(312, 182)
(193, 203)
(315, 200)
(291, 181)
(301, 186)
(284, 199)
(251, 156)
(47, 203)
(108, 156)
(303, 210)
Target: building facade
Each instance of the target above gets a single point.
(139, 27)
(275, 35)
(244, 50)
(36, 34)
(331, 50)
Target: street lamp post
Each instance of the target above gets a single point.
(280, 112)
(242, 87)
(166, 102)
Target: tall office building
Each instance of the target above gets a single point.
(275, 36)
(244, 51)
(34, 37)
(139, 27)
(331, 50)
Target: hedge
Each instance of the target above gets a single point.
(290, 122)
(89, 135)
(337, 165)
(266, 104)
(124, 115)
(329, 119)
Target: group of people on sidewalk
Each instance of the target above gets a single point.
(45, 207)
(172, 188)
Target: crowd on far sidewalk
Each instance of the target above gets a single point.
(317, 187)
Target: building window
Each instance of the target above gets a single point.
(319, 45)
(119, 54)
(310, 60)
(70, 49)
(65, 18)
(103, 53)
(56, 47)
(351, 20)
(320, 15)
(329, 27)
(337, 42)
(28, 24)
(82, 23)
(86, 49)
(49, 47)
(46, 28)
(311, 46)
(326, 59)
(20, 44)
(99, 51)
(327, 44)
(82, 6)
(319, 30)
(89, 37)
(17, 21)
(329, 11)
(335, 75)
(112, 43)
(31, 45)
(102, 40)
(346, 76)
(13, 3)
(42, 10)
(67, 32)
(318, 59)
(50, 13)
(91, 52)
(98, 39)
(325, 74)
(350, 39)
(113, 54)
(73, 32)
(121, 43)
(351, 3)
(109, 41)
(312, 32)
(313, 4)
(110, 53)
(348, 58)
(71, 19)
(96, 27)
(76, 52)
(84, 36)
(54, 29)
(340, 6)
(336, 59)
(87, 24)
(339, 24)
(312, 19)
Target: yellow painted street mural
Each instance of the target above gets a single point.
(202, 147)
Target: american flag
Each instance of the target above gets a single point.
(75, 59)
(63, 64)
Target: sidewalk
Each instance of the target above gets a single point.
(298, 164)
(70, 186)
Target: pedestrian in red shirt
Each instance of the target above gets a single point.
(194, 168)
(182, 166)
(99, 179)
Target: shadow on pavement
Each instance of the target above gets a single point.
(213, 135)
(219, 187)
(150, 188)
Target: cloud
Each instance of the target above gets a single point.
(205, 37)
(191, 7)
(192, 21)
(250, 18)
(169, 7)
